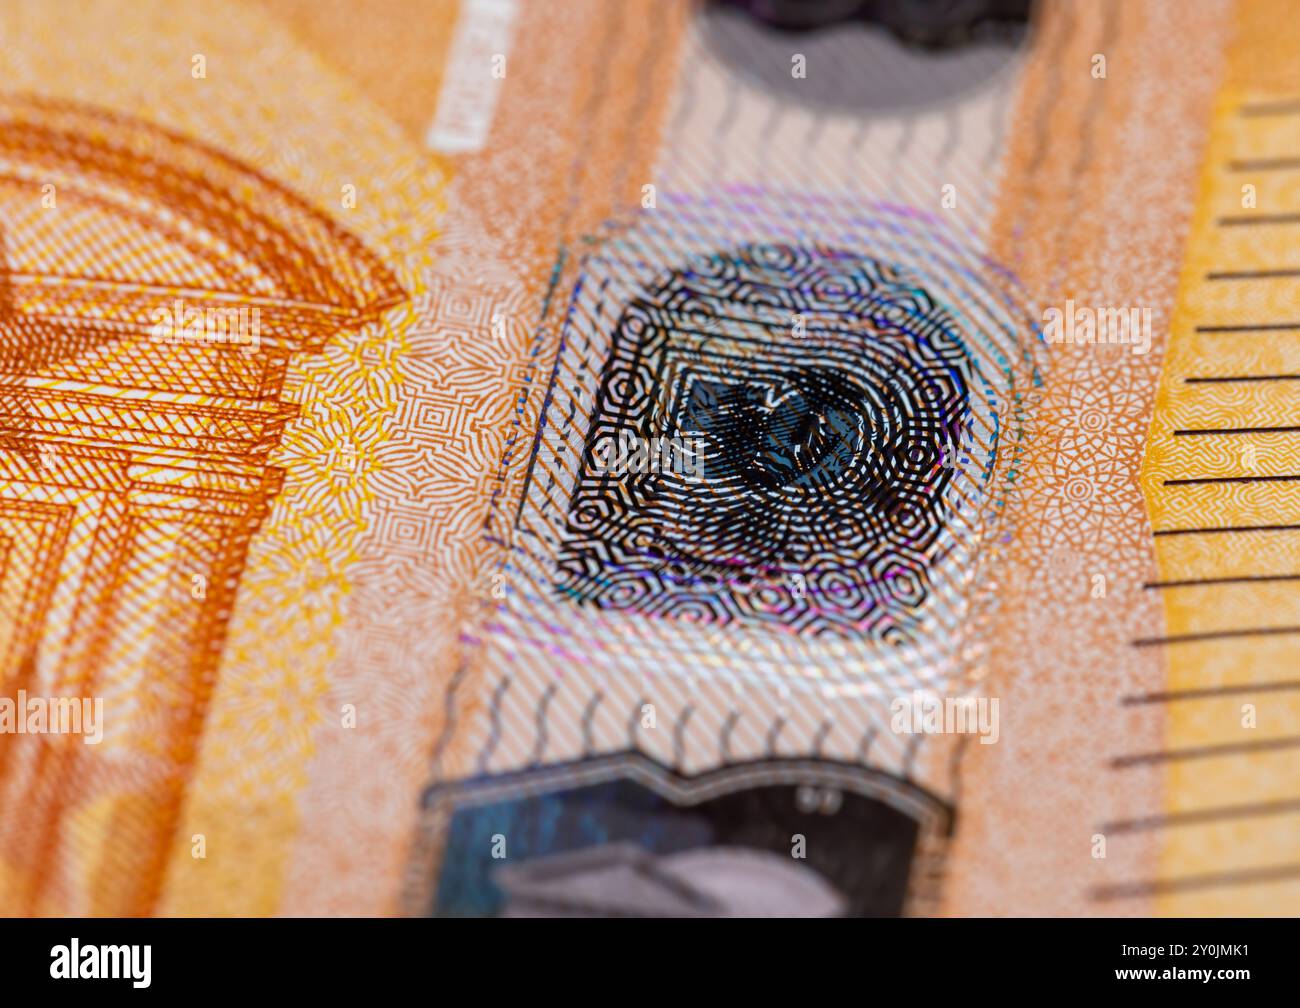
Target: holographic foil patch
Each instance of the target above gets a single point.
(856, 397)
(830, 392)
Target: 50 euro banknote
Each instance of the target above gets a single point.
(493, 457)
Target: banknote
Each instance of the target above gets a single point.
(636, 458)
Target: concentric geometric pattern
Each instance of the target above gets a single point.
(831, 392)
(858, 377)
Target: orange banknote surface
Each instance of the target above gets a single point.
(635, 458)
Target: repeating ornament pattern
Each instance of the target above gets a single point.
(830, 397)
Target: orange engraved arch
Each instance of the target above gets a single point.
(152, 293)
